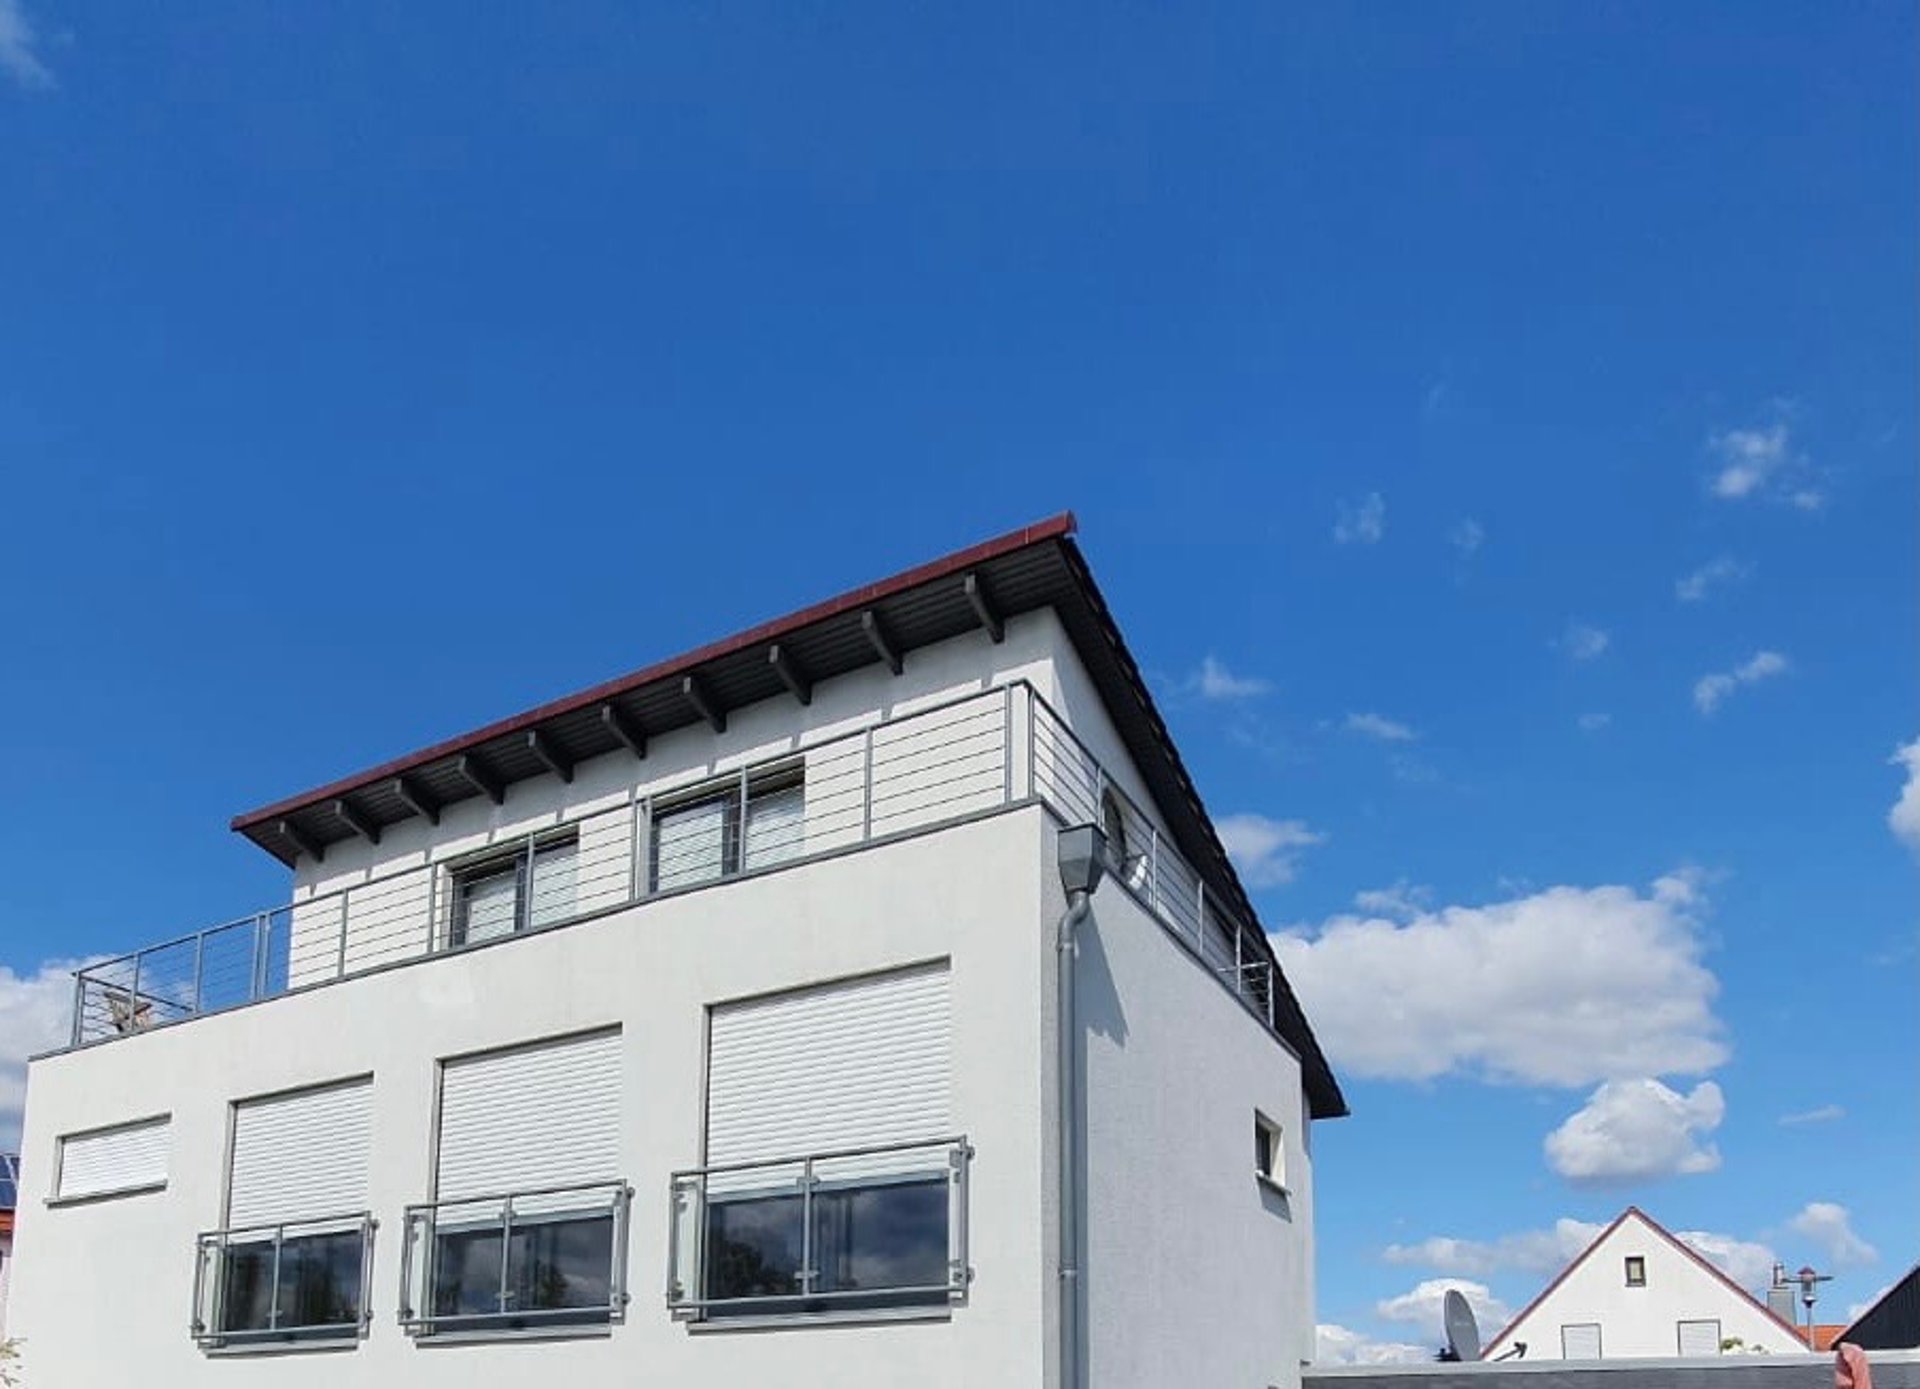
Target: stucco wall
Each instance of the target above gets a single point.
(103, 1290)
(1196, 1273)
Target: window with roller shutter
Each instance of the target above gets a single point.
(528, 1224)
(292, 1262)
(832, 1169)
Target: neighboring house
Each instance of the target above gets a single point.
(9, 1198)
(1638, 1292)
(1893, 1321)
(705, 1028)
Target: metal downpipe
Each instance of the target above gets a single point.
(1067, 1026)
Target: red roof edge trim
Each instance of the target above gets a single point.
(1053, 528)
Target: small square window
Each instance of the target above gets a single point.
(1636, 1271)
(1269, 1151)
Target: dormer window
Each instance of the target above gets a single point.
(745, 822)
(521, 890)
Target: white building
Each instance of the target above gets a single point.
(705, 1028)
(1637, 1292)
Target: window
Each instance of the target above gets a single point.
(754, 820)
(527, 1229)
(1580, 1341)
(521, 890)
(834, 1182)
(113, 1162)
(1269, 1151)
(292, 1262)
(1699, 1337)
(1636, 1271)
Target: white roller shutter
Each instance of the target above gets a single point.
(538, 1116)
(119, 1159)
(301, 1157)
(1699, 1338)
(1580, 1341)
(846, 1065)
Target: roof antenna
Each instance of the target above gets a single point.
(1808, 1281)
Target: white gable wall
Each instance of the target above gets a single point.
(1643, 1322)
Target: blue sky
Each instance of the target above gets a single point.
(1446, 393)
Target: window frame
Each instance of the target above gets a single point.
(1680, 1336)
(1635, 1270)
(424, 1228)
(1270, 1152)
(1599, 1338)
(735, 794)
(213, 1267)
(522, 860)
(62, 1197)
(690, 1294)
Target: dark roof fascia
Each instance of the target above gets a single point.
(1090, 625)
(672, 669)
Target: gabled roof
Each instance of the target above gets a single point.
(1893, 1321)
(1035, 567)
(1713, 1270)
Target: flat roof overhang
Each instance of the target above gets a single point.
(981, 587)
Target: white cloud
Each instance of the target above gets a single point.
(1585, 643)
(35, 1015)
(1529, 1251)
(1710, 691)
(1335, 1345)
(1904, 818)
(1544, 1252)
(1467, 536)
(1749, 458)
(1381, 727)
(1362, 522)
(1694, 587)
(1830, 1228)
(1214, 681)
(1636, 1130)
(1422, 1306)
(17, 41)
(1266, 852)
(1593, 723)
(1403, 901)
(1763, 461)
(1824, 1114)
(1744, 1261)
(1567, 987)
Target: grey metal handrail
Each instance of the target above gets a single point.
(419, 1253)
(209, 1278)
(934, 766)
(689, 1197)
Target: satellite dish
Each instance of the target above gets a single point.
(1463, 1332)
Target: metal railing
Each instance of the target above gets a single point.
(805, 1185)
(214, 1314)
(935, 766)
(524, 1288)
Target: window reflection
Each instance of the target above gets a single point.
(558, 1269)
(318, 1286)
(876, 1245)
